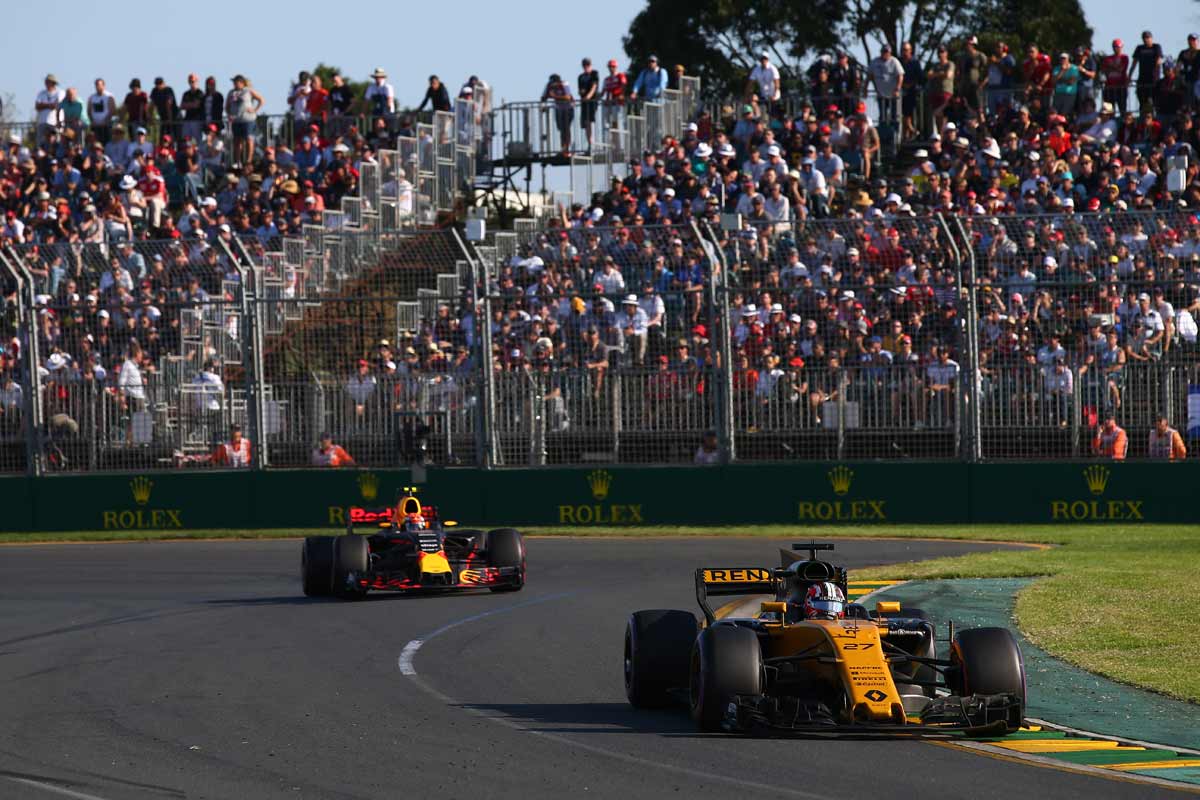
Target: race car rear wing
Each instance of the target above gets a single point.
(723, 581)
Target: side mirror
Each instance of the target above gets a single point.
(887, 607)
(772, 607)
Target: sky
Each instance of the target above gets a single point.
(514, 46)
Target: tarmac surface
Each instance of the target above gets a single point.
(199, 670)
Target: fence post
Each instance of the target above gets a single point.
(719, 299)
(27, 318)
(487, 453)
(971, 398)
(250, 307)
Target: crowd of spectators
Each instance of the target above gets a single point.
(844, 282)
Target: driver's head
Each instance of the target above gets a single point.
(824, 601)
(414, 522)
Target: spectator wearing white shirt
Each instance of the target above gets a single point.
(210, 391)
(130, 382)
(101, 109)
(814, 183)
(765, 76)
(47, 106)
(12, 399)
(609, 278)
(1103, 130)
(777, 207)
(634, 325)
(887, 73)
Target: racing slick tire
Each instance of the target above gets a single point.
(350, 554)
(726, 661)
(989, 662)
(658, 649)
(506, 548)
(316, 566)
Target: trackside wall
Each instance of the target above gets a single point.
(809, 493)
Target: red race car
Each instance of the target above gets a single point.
(411, 549)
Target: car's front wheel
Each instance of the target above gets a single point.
(726, 661)
(316, 566)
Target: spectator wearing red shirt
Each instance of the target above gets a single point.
(154, 190)
(137, 106)
(616, 85)
(329, 454)
(318, 101)
(1115, 69)
(1037, 71)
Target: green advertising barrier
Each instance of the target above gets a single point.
(809, 493)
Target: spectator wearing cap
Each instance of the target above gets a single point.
(887, 73)
(1147, 61)
(589, 90)
(634, 327)
(651, 82)
(47, 104)
(1115, 69)
(1066, 84)
(162, 99)
(328, 454)
(242, 105)
(765, 80)
(971, 75)
(559, 93)
(616, 85)
(359, 391)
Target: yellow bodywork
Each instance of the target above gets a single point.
(857, 662)
(434, 563)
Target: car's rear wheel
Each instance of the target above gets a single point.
(350, 555)
(726, 661)
(506, 548)
(658, 646)
(988, 661)
(316, 566)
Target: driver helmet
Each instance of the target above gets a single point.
(824, 601)
(414, 522)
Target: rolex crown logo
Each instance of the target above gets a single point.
(599, 480)
(1097, 478)
(368, 485)
(840, 478)
(141, 487)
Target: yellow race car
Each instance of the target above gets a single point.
(810, 662)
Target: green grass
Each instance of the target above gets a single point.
(1113, 599)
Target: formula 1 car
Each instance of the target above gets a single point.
(857, 672)
(410, 550)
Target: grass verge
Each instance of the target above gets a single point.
(1112, 599)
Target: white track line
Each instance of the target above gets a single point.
(405, 664)
(54, 789)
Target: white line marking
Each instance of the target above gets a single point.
(405, 664)
(53, 789)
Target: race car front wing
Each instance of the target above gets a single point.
(977, 715)
(472, 578)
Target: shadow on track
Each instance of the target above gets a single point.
(580, 717)
(374, 597)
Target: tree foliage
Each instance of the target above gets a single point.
(326, 73)
(720, 40)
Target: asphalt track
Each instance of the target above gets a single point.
(198, 670)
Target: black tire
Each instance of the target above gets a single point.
(988, 661)
(658, 650)
(350, 554)
(506, 548)
(316, 566)
(726, 660)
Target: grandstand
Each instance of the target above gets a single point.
(1006, 279)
